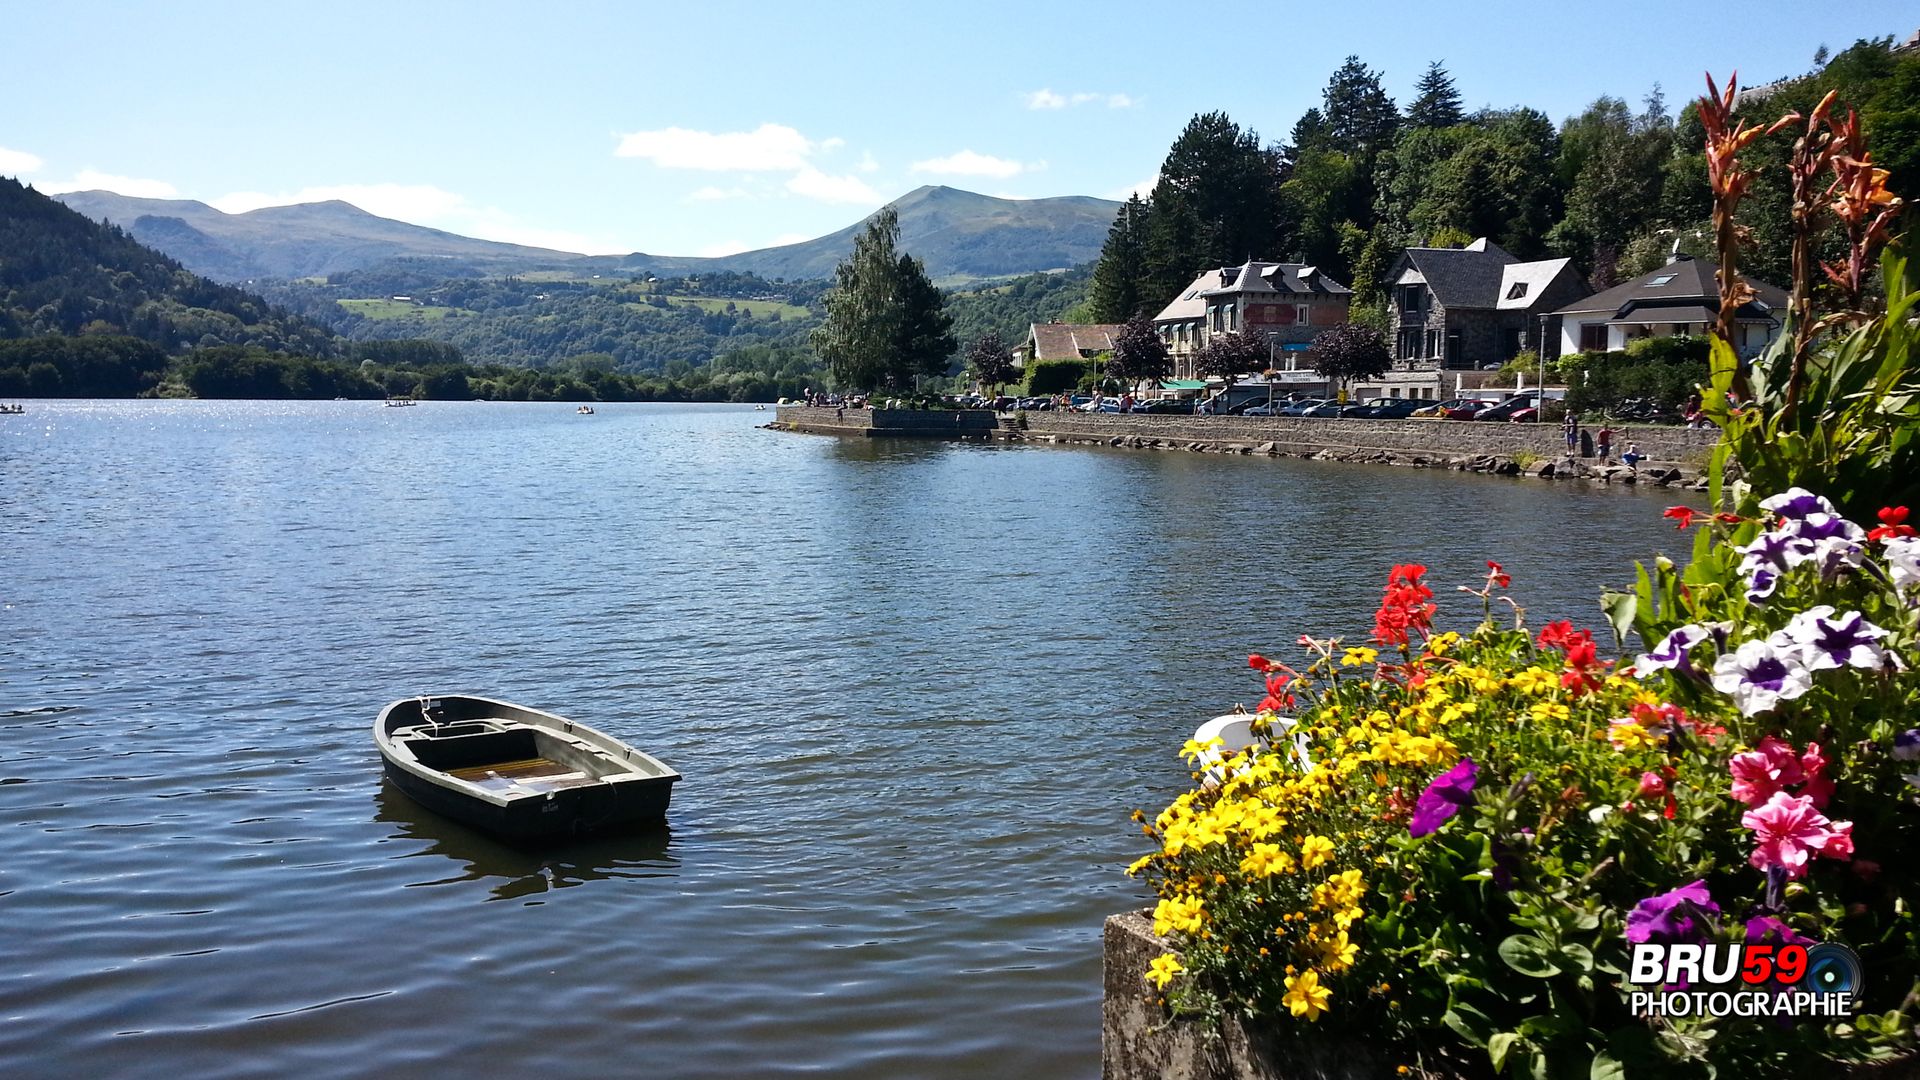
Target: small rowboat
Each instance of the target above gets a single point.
(518, 772)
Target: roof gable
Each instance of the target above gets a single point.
(1683, 282)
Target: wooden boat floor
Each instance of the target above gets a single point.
(527, 774)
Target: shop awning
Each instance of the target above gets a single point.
(1183, 384)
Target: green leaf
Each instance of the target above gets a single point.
(1530, 955)
(1620, 609)
(1606, 1067)
(1469, 1023)
(1499, 1046)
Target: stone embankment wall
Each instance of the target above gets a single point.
(886, 423)
(1138, 1043)
(1308, 436)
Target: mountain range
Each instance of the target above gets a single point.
(959, 235)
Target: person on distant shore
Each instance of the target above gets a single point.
(1632, 457)
(1605, 439)
(1571, 425)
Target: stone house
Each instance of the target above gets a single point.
(1065, 341)
(1288, 302)
(1457, 311)
(1679, 299)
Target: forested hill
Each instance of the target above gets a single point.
(63, 273)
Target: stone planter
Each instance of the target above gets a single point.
(1137, 1042)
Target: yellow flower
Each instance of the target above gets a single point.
(1193, 751)
(1266, 860)
(1548, 711)
(1315, 850)
(1139, 864)
(1163, 969)
(1535, 681)
(1339, 952)
(1183, 913)
(1305, 996)
(1359, 656)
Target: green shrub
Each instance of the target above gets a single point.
(1056, 376)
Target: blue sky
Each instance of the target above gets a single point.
(704, 128)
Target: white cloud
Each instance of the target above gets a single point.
(867, 163)
(1143, 189)
(968, 163)
(131, 186)
(1047, 99)
(18, 162)
(834, 143)
(814, 184)
(767, 148)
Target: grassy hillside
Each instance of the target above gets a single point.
(64, 274)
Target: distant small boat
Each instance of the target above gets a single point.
(400, 402)
(759, 408)
(12, 410)
(518, 772)
(585, 410)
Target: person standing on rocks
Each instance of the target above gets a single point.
(1605, 438)
(1571, 425)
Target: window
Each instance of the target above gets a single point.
(1233, 316)
(1593, 337)
(1433, 343)
(1300, 314)
(1519, 290)
(1659, 281)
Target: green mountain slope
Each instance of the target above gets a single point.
(960, 235)
(63, 274)
(292, 241)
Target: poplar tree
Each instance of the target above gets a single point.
(885, 322)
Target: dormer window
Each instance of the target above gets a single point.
(1519, 290)
(1661, 280)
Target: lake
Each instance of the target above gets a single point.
(914, 689)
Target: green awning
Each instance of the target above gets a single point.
(1183, 384)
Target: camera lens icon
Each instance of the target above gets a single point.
(1832, 969)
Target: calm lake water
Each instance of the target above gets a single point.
(914, 688)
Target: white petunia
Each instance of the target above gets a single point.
(1759, 675)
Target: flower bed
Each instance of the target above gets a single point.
(1450, 840)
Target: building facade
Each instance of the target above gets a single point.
(1287, 302)
(1459, 312)
(1680, 299)
(1065, 341)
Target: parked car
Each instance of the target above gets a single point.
(1300, 407)
(1265, 409)
(1326, 410)
(1164, 405)
(1446, 410)
(1393, 408)
(1528, 415)
(1101, 404)
(1506, 409)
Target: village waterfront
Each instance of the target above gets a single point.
(915, 688)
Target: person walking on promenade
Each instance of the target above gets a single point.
(1605, 438)
(1571, 425)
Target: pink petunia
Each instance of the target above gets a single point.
(1761, 772)
(1788, 829)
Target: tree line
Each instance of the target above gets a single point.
(1358, 179)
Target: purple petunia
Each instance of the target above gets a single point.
(1824, 641)
(1449, 792)
(1760, 674)
(1674, 651)
(1772, 931)
(1796, 503)
(1673, 917)
(1906, 745)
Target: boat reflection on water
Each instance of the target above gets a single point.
(457, 853)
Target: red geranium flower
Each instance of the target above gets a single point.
(1893, 523)
(1497, 575)
(1259, 663)
(1404, 606)
(1684, 515)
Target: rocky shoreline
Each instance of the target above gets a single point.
(1661, 474)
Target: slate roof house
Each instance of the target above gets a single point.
(1065, 341)
(1457, 310)
(1288, 302)
(1680, 298)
